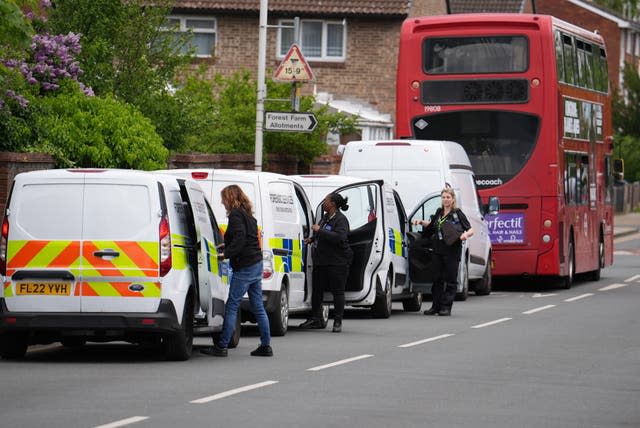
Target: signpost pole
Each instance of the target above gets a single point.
(262, 87)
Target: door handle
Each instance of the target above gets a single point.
(106, 253)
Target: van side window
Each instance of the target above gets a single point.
(363, 204)
(217, 233)
(425, 211)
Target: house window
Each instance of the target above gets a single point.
(203, 32)
(319, 40)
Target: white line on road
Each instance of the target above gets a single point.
(338, 363)
(490, 323)
(541, 308)
(124, 422)
(233, 392)
(582, 296)
(612, 287)
(420, 342)
(633, 278)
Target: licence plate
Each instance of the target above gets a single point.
(44, 288)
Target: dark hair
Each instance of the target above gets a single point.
(233, 197)
(341, 203)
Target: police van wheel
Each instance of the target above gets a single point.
(413, 304)
(279, 318)
(382, 306)
(235, 338)
(13, 346)
(178, 345)
(483, 286)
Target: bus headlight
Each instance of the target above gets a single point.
(547, 224)
(546, 239)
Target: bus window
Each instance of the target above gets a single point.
(559, 56)
(583, 53)
(498, 54)
(569, 60)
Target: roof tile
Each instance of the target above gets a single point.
(345, 7)
(488, 6)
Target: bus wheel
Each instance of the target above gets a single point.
(567, 281)
(382, 306)
(594, 275)
(279, 318)
(413, 304)
(178, 345)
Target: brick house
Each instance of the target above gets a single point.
(350, 45)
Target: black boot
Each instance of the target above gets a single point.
(431, 311)
(337, 325)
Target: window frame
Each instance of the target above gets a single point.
(287, 24)
(183, 29)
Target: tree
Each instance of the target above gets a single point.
(626, 122)
(627, 8)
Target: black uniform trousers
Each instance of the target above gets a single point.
(445, 281)
(329, 278)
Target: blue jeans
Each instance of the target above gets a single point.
(245, 280)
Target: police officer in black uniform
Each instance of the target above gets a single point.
(331, 259)
(448, 227)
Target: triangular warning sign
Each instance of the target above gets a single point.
(293, 68)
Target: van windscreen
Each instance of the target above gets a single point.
(50, 211)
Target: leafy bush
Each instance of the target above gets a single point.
(86, 131)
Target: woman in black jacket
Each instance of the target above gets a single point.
(447, 220)
(331, 259)
(242, 248)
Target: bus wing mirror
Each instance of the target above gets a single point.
(618, 168)
(494, 205)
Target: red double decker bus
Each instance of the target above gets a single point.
(528, 98)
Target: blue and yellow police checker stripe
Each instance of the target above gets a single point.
(215, 266)
(287, 254)
(395, 242)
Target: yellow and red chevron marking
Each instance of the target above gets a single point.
(117, 289)
(135, 258)
(8, 290)
(42, 254)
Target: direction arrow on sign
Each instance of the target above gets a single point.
(290, 122)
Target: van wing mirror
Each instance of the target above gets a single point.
(493, 205)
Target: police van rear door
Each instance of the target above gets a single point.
(43, 231)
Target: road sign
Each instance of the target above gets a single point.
(293, 68)
(290, 122)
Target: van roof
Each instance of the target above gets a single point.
(208, 173)
(75, 172)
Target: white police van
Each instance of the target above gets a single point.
(378, 236)
(284, 217)
(104, 255)
(418, 170)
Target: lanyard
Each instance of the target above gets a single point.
(442, 220)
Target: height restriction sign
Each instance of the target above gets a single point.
(293, 68)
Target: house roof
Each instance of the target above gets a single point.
(486, 6)
(325, 7)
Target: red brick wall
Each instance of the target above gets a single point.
(590, 21)
(368, 73)
(12, 164)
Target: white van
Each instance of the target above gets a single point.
(378, 237)
(284, 218)
(102, 255)
(418, 170)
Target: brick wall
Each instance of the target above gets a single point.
(12, 164)
(368, 74)
(591, 21)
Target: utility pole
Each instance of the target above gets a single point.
(262, 87)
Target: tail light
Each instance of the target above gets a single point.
(267, 264)
(165, 246)
(3, 246)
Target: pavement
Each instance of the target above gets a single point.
(626, 224)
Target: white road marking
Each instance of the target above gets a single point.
(420, 342)
(338, 363)
(543, 295)
(233, 392)
(124, 422)
(612, 287)
(633, 278)
(490, 323)
(582, 296)
(541, 308)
